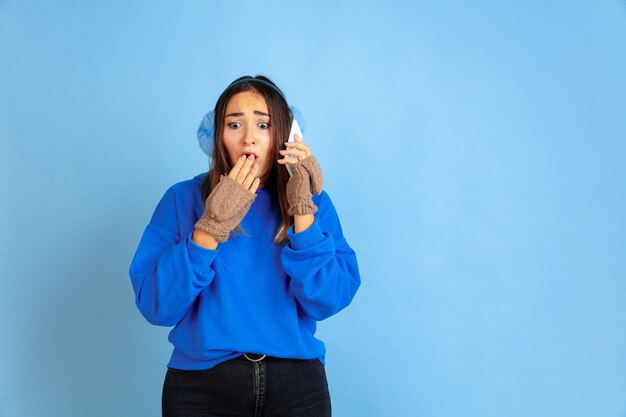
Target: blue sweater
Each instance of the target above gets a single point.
(248, 295)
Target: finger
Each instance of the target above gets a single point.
(298, 145)
(235, 171)
(251, 176)
(255, 185)
(295, 152)
(297, 138)
(245, 169)
(288, 160)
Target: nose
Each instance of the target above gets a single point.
(248, 138)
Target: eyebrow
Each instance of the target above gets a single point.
(260, 113)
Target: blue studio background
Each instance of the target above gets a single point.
(475, 152)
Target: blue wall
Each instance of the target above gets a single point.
(475, 152)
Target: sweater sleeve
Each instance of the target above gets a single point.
(322, 266)
(168, 271)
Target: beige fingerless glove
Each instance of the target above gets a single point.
(224, 208)
(307, 179)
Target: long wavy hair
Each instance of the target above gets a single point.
(280, 124)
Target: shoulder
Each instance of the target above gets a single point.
(185, 192)
(323, 201)
(180, 199)
(328, 220)
(190, 186)
(326, 213)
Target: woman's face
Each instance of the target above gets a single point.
(247, 129)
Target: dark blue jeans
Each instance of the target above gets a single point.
(271, 387)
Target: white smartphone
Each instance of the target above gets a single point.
(295, 130)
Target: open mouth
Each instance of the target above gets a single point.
(250, 153)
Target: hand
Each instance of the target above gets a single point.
(244, 173)
(297, 149)
(307, 177)
(230, 200)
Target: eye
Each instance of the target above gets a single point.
(234, 125)
(264, 125)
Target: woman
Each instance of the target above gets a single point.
(243, 261)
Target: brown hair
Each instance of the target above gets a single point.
(280, 124)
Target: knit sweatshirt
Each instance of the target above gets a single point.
(249, 294)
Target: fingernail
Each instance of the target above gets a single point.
(251, 157)
(242, 157)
